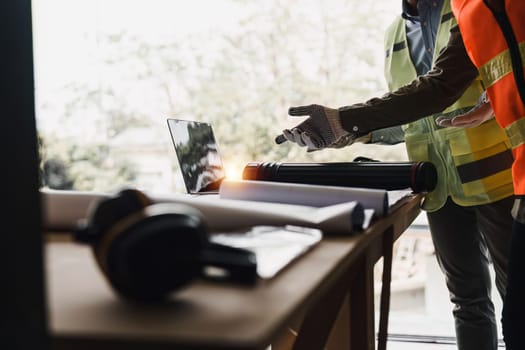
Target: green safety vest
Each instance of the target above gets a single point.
(473, 164)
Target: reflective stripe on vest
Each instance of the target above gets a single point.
(473, 167)
(501, 66)
(516, 132)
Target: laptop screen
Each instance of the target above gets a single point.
(198, 156)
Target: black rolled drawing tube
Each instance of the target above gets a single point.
(418, 176)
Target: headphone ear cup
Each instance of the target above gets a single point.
(109, 211)
(153, 251)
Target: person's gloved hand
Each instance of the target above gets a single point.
(321, 130)
(476, 116)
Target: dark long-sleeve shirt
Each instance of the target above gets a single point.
(431, 93)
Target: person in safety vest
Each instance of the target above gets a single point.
(489, 37)
(469, 211)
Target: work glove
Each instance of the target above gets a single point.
(320, 130)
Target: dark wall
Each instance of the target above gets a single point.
(22, 315)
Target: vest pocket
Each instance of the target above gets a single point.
(482, 157)
(421, 148)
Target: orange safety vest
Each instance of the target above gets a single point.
(495, 43)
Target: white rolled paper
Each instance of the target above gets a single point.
(62, 211)
(302, 194)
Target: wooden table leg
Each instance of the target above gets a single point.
(361, 307)
(388, 247)
(318, 322)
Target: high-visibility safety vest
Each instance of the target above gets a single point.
(495, 44)
(473, 164)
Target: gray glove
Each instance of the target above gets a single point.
(321, 130)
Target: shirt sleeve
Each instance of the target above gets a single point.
(431, 93)
(388, 136)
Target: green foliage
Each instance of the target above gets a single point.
(242, 81)
(67, 165)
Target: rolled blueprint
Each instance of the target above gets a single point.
(418, 176)
(63, 210)
(302, 194)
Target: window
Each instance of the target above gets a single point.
(109, 73)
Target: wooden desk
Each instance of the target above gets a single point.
(84, 313)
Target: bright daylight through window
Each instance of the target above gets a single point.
(109, 73)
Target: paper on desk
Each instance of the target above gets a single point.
(63, 209)
(274, 247)
(301, 194)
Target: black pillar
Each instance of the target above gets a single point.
(22, 305)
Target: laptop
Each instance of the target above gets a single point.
(198, 156)
(202, 171)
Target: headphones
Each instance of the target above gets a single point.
(147, 250)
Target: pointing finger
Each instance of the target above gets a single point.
(287, 134)
(280, 139)
(299, 111)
